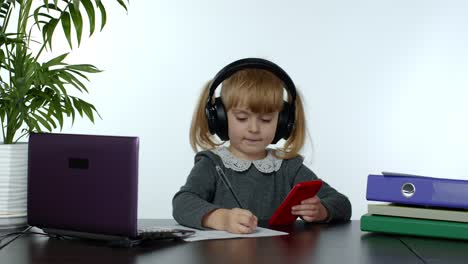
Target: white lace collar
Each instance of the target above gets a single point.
(267, 165)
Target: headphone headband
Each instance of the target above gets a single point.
(253, 63)
(216, 113)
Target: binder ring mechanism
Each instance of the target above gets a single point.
(408, 190)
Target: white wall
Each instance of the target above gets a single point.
(385, 83)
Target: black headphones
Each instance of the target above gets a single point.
(217, 116)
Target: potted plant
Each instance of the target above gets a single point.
(37, 94)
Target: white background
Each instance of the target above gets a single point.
(384, 83)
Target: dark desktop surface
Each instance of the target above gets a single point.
(5, 241)
(306, 243)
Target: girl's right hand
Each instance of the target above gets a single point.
(239, 221)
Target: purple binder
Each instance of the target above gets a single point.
(418, 190)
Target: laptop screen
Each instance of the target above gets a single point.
(83, 183)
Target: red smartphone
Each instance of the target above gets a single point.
(300, 192)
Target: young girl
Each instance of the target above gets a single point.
(249, 115)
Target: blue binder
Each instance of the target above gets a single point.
(417, 190)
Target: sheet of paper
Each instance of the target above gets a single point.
(214, 234)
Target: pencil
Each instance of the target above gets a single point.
(228, 185)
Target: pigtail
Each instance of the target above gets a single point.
(200, 136)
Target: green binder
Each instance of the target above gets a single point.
(412, 226)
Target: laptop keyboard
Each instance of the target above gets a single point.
(163, 233)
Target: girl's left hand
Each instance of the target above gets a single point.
(311, 210)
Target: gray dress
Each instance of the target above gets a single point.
(260, 185)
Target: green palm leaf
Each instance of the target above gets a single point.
(77, 21)
(102, 9)
(88, 5)
(66, 27)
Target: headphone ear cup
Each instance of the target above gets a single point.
(210, 113)
(285, 123)
(221, 123)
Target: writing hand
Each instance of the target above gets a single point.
(311, 210)
(240, 221)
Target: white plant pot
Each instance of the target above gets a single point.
(13, 185)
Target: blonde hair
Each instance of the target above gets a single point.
(261, 92)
